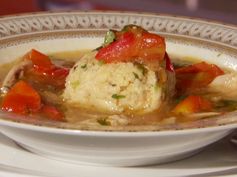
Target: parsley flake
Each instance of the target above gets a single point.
(136, 75)
(98, 48)
(103, 121)
(142, 68)
(101, 62)
(117, 96)
(75, 84)
(109, 38)
(84, 66)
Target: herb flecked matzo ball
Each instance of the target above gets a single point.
(113, 87)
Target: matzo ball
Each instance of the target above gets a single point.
(113, 87)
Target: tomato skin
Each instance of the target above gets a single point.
(192, 104)
(133, 43)
(168, 64)
(21, 99)
(196, 76)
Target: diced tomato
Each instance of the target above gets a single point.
(152, 47)
(45, 71)
(133, 43)
(119, 50)
(52, 112)
(21, 99)
(39, 60)
(196, 76)
(201, 67)
(192, 104)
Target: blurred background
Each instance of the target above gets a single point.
(221, 10)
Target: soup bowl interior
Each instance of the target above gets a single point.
(120, 146)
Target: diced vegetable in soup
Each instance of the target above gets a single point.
(129, 80)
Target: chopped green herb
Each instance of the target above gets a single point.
(103, 121)
(156, 86)
(219, 54)
(109, 37)
(84, 66)
(181, 63)
(98, 48)
(74, 67)
(228, 105)
(180, 98)
(101, 62)
(136, 75)
(116, 96)
(142, 68)
(75, 84)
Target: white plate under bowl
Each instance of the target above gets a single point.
(54, 32)
(219, 159)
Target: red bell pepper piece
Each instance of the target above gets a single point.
(21, 99)
(192, 104)
(45, 71)
(196, 76)
(133, 43)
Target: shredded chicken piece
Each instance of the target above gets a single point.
(203, 115)
(13, 75)
(225, 86)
